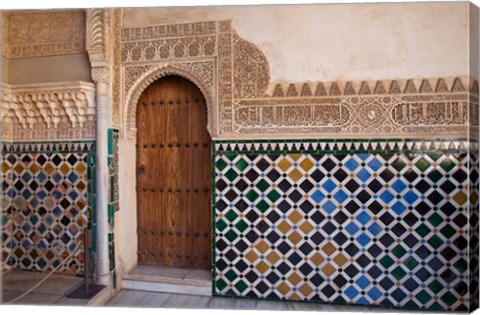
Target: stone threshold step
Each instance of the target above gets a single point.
(167, 285)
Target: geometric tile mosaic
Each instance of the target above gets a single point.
(474, 233)
(389, 229)
(46, 205)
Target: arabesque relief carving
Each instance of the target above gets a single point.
(48, 33)
(237, 75)
(387, 107)
(48, 111)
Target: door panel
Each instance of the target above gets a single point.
(173, 175)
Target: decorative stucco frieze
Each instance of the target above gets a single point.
(197, 51)
(48, 111)
(236, 75)
(382, 108)
(250, 69)
(189, 40)
(138, 78)
(117, 69)
(32, 34)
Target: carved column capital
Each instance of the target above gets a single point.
(101, 75)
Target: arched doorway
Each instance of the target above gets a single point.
(173, 175)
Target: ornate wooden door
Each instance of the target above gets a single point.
(173, 175)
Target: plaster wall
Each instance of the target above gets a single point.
(75, 67)
(4, 69)
(128, 211)
(474, 41)
(341, 42)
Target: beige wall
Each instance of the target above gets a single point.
(474, 33)
(4, 67)
(75, 67)
(127, 223)
(328, 42)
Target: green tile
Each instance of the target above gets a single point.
(447, 164)
(221, 225)
(241, 286)
(263, 206)
(398, 273)
(461, 265)
(435, 176)
(387, 262)
(399, 251)
(241, 225)
(262, 185)
(411, 263)
(252, 195)
(448, 231)
(435, 241)
(231, 275)
(435, 220)
(273, 195)
(423, 297)
(449, 298)
(220, 284)
(422, 230)
(241, 164)
(422, 164)
(231, 235)
(221, 164)
(231, 215)
(231, 175)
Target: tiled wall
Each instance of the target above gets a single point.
(47, 200)
(361, 222)
(113, 197)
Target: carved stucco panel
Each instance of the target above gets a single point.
(65, 110)
(245, 102)
(32, 34)
(138, 78)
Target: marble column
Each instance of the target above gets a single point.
(101, 77)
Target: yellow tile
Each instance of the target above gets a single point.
(273, 257)
(328, 269)
(306, 227)
(295, 217)
(340, 259)
(317, 259)
(262, 247)
(474, 197)
(34, 168)
(460, 198)
(306, 164)
(80, 168)
(283, 288)
(295, 156)
(294, 278)
(294, 297)
(19, 168)
(305, 289)
(284, 227)
(295, 238)
(5, 168)
(251, 256)
(64, 169)
(262, 267)
(48, 168)
(284, 164)
(329, 248)
(295, 175)
(80, 186)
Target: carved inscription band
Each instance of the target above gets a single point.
(236, 75)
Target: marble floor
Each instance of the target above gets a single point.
(143, 299)
(50, 292)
